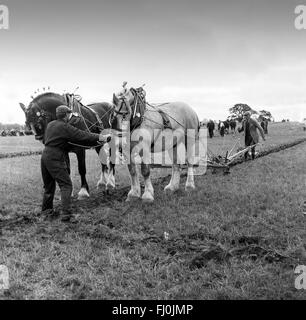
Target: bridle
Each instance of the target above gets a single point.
(138, 103)
(39, 120)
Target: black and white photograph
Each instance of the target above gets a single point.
(152, 150)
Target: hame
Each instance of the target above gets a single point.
(300, 20)
(4, 17)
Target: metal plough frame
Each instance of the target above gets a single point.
(219, 162)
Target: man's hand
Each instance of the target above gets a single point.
(105, 138)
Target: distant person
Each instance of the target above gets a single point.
(262, 124)
(226, 126)
(250, 127)
(222, 129)
(54, 160)
(211, 128)
(233, 125)
(265, 125)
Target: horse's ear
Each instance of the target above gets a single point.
(22, 106)
(115, 99)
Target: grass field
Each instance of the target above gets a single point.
(9, 145)
(238, 236)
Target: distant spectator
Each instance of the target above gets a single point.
(211, 128)
(222, 129)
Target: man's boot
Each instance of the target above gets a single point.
(50, 214)
(253, 153)
(67, 216)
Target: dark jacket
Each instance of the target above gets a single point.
(59, 133)
(253, 126)
(211, 125)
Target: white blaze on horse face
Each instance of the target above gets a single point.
(35, 132)
(33, 128)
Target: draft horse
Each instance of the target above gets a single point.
(94, 118)
(147, 123)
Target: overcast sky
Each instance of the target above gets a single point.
(210, 54)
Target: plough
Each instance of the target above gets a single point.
(219, 162)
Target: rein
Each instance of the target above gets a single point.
(71, 103)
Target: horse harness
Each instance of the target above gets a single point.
(76, 109)
(140, 106)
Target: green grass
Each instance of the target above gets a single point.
(235, 237)
(9, 145)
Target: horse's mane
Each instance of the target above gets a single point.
(46, 95)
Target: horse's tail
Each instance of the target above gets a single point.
(197, 132)
(198, 129)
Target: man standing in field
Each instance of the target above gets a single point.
(211, 128)
(251, 137)
(54, 167)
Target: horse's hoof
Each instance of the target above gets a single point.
(147, 197)
(100, 186)
(189, 188)
(83, 194)
(110, 187)
(170, 189)
(82, 197)
(132, 198)
(147, 200)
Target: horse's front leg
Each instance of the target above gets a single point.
(135, 185)
(81, 156)
(148, 195)
(174, 183)
(189, 186)
(190, 154)
(104, 173)
(111, 183)
(107, 178)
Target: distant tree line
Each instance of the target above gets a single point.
(237, 111)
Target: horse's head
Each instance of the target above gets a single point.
(36, 120)
(129, 105)
(40, 112)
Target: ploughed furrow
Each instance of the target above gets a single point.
(20, 154)
(272, 149)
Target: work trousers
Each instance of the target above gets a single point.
(55, 169)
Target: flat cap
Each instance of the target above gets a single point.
(63, 110)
